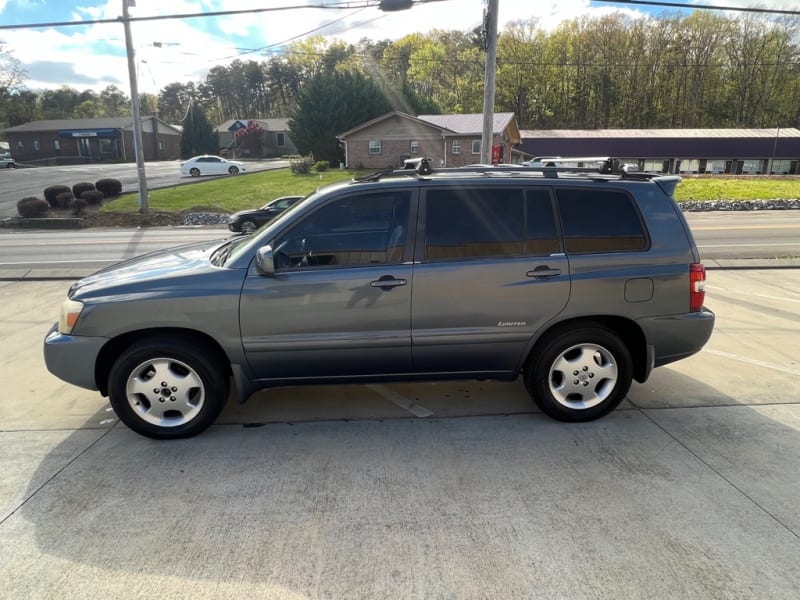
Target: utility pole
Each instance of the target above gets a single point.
(490, 27)
(137, 118)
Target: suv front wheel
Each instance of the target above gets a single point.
(165, 388)
(580, 374)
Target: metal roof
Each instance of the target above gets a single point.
(75, 124)
(771, 133)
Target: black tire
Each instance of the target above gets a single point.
(248, 227)
(165, 388)
(194, 172)
(580, 374)
(233, 170)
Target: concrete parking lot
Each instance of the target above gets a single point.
(445, 490)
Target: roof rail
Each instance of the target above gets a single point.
(606, 165)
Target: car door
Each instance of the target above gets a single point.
(489, 272)
(339, 303)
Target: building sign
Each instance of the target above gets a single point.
(88, 133)
(84, 134)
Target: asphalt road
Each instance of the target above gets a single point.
(761, 234)
(16, 184)
(688, 490)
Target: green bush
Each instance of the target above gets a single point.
(111, 188)
(79, 188)
(93, 197)
(63, 199)
(321, 166)
(32, 207)
(301, 167)
(53, 191)
(76, 205)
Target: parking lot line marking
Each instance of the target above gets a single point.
(401, 401)
(752, 361)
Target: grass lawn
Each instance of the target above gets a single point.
(229, 194)
(722, 188)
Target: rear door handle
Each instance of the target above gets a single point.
(543, 271)
(387, 282)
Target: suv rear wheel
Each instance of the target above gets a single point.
(580, 374)
(165, 388)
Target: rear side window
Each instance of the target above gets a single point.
(474, 223)
(600, 221)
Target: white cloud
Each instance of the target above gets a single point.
(96, 53)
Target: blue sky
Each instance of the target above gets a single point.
(184, 50)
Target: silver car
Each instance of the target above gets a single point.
(577, 284)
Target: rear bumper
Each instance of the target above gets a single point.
(72, 358)
(677, 336)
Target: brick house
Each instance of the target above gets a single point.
(449, 140)
(263, 138)
(69, 141)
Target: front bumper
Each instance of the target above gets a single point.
(72, 358)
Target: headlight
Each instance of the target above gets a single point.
(70, 311)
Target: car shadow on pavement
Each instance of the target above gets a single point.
(376, 502)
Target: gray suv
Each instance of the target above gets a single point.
(578, 282)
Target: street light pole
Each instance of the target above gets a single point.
(490, 25)
(137, 118)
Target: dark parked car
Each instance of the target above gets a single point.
(247, 221)
(579, 283)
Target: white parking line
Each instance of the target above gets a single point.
(752, 361)
(401, 401)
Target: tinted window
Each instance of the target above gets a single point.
(356, 230)
(540, 224)
(600, 221)
(468, 223)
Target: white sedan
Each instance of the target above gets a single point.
(211, 165)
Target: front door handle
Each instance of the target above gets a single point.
(543, 271)
(387, 282)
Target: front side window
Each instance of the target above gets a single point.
(600, 221)
(56, 145)
(374, 146)
(456, 146)
(474, 223)
(476, 146)
(281, 140)
(367, 229)
(36, 146)
(20, 146)
(414, 148)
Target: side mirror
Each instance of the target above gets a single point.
(265, 261)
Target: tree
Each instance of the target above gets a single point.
(115, 102)
(329, 104)
(198, 135)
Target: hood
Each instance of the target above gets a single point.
(147, 270)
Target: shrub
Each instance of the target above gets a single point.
(321, 165)
(63, 199)
(53, 191)
(32, 207)
(302, 166)
(77, 205)
(93, 197)
(79, 188)
(110, 187)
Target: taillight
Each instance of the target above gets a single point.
(697, 287)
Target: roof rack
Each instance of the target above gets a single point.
(605, 166)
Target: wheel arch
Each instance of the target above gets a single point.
(629, 332)
(112, 349)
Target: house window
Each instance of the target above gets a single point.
(36, 146)
(281, 139)
(456, 146)
(20, 146)
(105, 146)
(374, 146)
(160, 144)
(476, 146)
(56, 145)
(414, 149)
